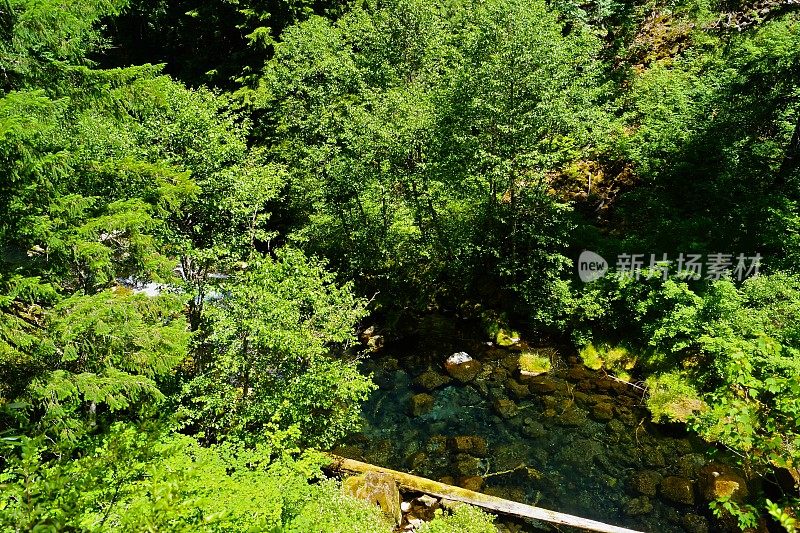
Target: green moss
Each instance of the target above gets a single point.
(591, 358)
(506, 338)
(617, 359)
(533, 363)
(672, 398)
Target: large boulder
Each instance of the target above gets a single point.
(720, 481)
(462, 367)
(376, 488)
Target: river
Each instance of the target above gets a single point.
(573, 440)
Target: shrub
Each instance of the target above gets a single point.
(672, 398)
(462, 519)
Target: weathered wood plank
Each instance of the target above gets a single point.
(493, 503)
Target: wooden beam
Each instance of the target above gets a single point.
(493, 503)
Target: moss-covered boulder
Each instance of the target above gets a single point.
(645, 482)
(614, 358)
(376, 488)
(507, 338)
(720, 481)
(461, 367)
(534, 363)
(671, 398)
(430, 380)
(678, 489)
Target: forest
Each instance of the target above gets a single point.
(238, 234)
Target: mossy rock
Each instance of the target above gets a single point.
(377, 488)
(421, 404)
(534, 363)
(646, 482)
(507, 338)
(430, 380)
(678, 489)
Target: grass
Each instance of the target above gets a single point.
(533, 364)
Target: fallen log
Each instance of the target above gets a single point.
(493, 503)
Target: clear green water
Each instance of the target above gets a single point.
(556, 449)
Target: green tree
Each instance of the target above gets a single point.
(272, 331)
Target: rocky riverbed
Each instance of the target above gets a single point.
(572, 439)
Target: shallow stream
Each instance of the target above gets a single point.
(574, 440)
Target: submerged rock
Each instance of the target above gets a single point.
(376, 488)
(541, 385)
(646, 482)
(603, 412)
(430, 380)
(533, 428)
(638, 506)
(694, 523)
(467, 465)
(517, 389)
(471, 483)
(690, 464)
(678, 489)
(417, 460)
(579, 373)
(652, 456)
(581, 453)
(572, 416)
(471, 444)
(437, 445)
(421, 404)
(515, 494)
(505, 407)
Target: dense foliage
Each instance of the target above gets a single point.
(198, 198)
